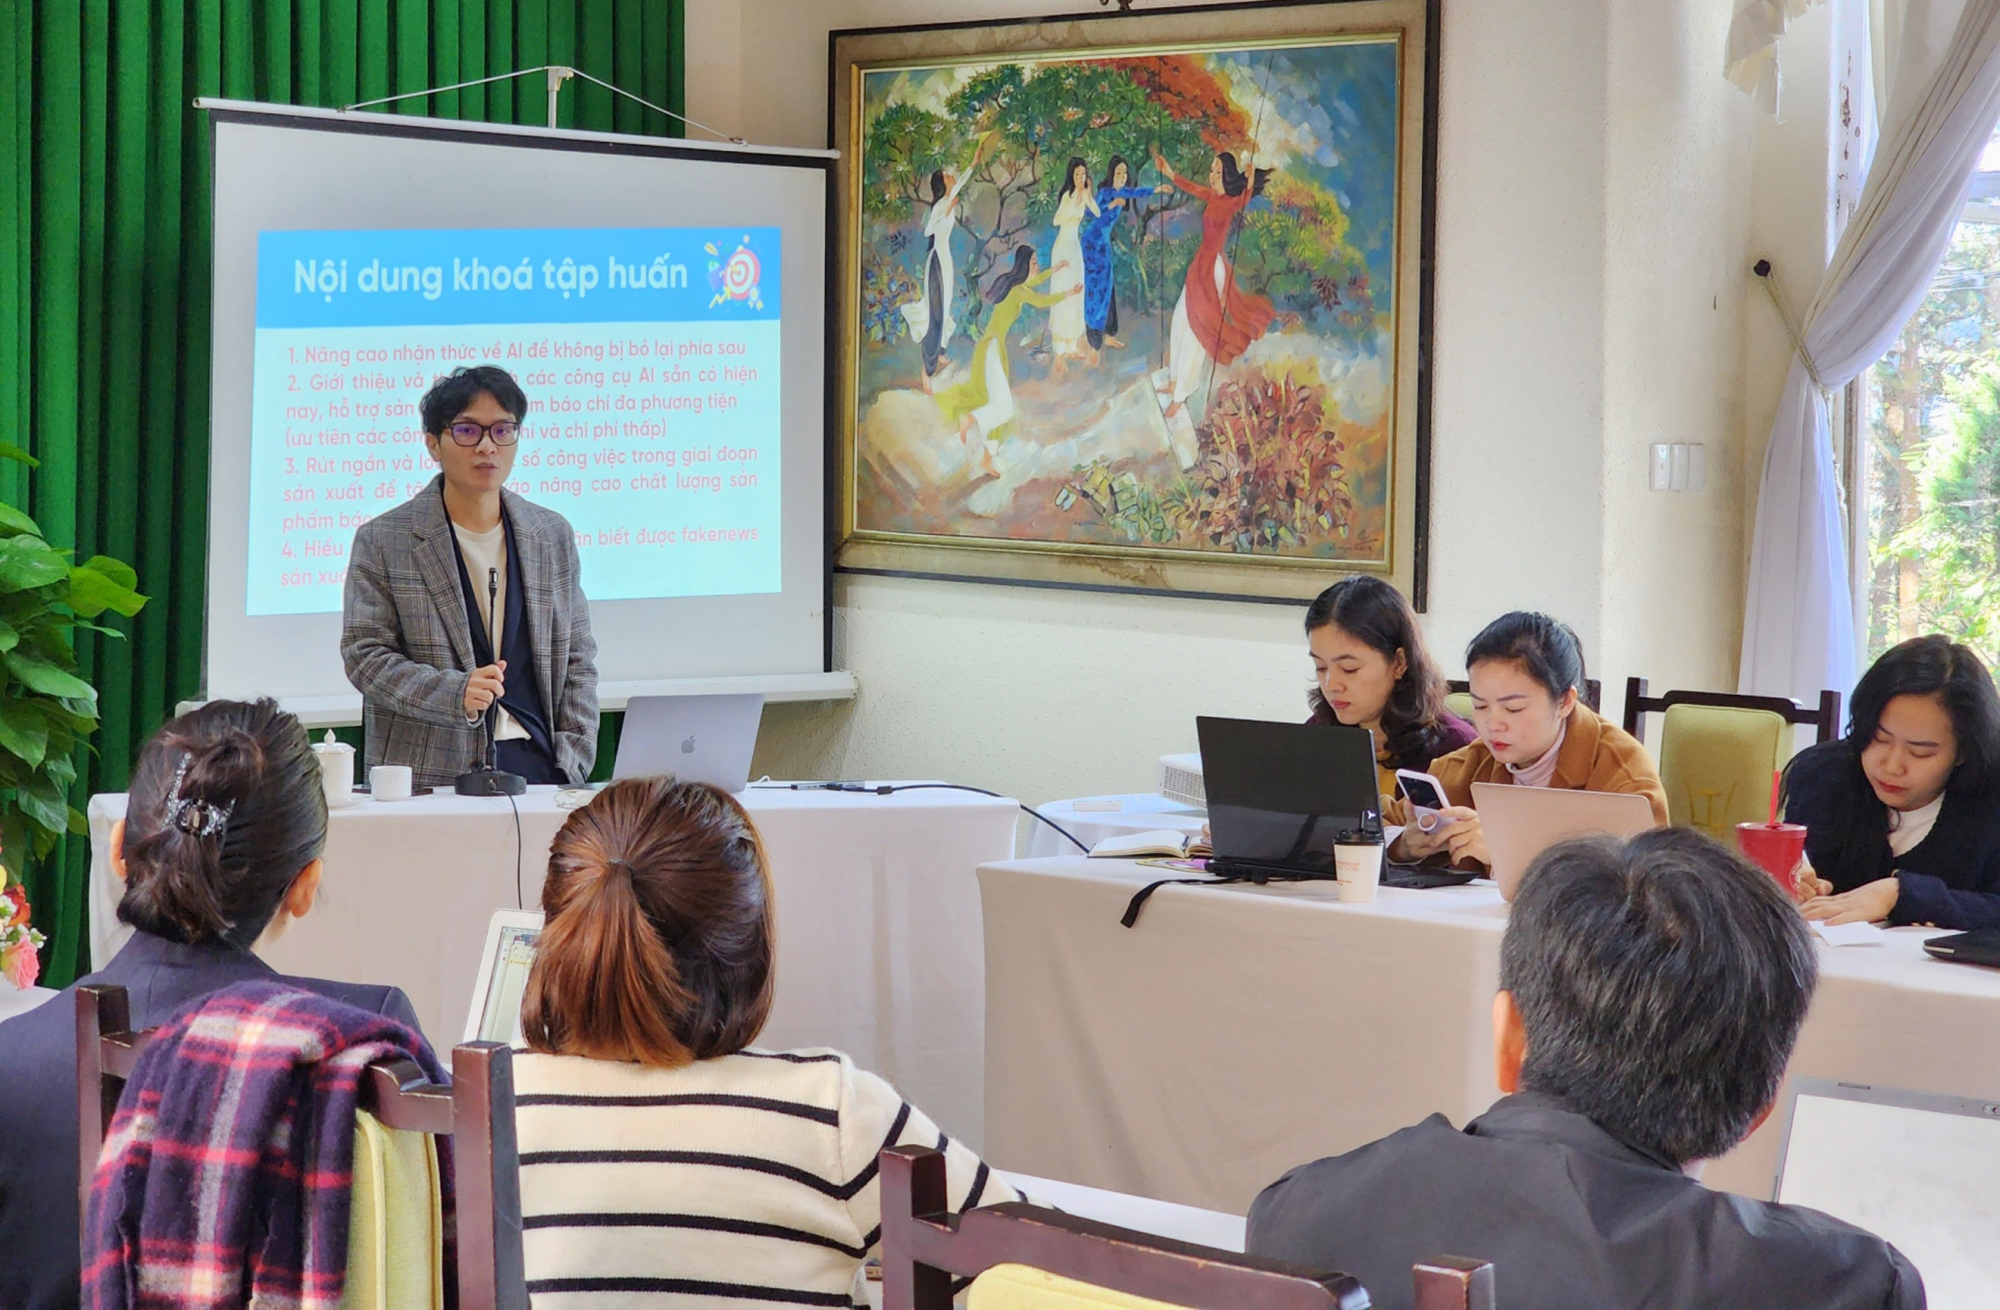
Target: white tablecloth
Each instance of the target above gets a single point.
(878, 917)
(1140, 812)
(1237, 1031)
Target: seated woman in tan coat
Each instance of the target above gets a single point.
(1525, 670)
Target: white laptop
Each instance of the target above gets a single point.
(1522, 822)
(495, 1014)
(695, 738)
(1913, 1168)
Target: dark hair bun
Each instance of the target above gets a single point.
(224, 812)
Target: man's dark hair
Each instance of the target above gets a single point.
(1662, 982)
(451, 394)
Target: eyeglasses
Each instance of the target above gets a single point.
(465, 432)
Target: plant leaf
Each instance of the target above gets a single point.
(79, 822)
(43, 802)
(8, 450)
(93, 590)
(117, 570)
(10, 636)
(40, 675)
(29, 562)
(13, 522)
(24, 733)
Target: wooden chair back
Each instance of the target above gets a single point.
(924, 1248)
(1638, 704)
(1591, 695)
(476, 1111)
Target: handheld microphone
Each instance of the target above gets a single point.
(492, 710)
(488, 779)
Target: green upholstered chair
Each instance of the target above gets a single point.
(1718, 750)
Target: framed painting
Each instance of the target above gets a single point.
(1137, 301)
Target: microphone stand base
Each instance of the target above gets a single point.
(490, 782)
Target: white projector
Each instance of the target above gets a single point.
(1180, 780)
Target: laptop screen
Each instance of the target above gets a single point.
(500, 1003)
(1923, 1179)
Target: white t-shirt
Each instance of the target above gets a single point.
(1912, 826)
(484, 551)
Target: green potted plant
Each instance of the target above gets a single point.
(46, 709)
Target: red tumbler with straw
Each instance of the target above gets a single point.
(1776, 848)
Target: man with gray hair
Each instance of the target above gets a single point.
(1651, 992)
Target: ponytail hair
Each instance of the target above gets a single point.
(661, 936)
(1547, 648)
(225, 811)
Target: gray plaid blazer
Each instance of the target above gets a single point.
(408, 648)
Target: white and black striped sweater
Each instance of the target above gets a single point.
(734, 1182)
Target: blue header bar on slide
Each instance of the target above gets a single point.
(365, 278)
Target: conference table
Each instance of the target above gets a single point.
(1236, 1031)
(878, 916)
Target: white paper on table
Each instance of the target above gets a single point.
(1848, 934)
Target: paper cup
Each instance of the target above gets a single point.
(1776, 848)
(389, 782)
(1359, 869)
(336, 772)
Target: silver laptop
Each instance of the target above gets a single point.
(1522, 822)
(696, 738)
(495, 1013)
(1913, 1168)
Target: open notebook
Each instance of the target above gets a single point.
(1156, 843)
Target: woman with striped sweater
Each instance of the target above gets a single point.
(664, 1160)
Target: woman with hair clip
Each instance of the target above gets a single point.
(1526, 671)
(661, 1151)
(1372, 669)
(1902, 815)
(219, 851)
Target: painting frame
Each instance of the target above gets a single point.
(1402, 556)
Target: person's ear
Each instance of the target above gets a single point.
(1401, 665)
(1762, 1115)
(431, 444)
(1567, 705)
(1510, 1043)
(116, 853)
(299, 897)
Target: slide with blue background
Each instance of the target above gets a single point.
(649, 357)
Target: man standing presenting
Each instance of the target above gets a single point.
(468, 594)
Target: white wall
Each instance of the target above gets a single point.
(1594, 199)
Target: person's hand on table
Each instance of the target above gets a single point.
(487, 684)
(1807, 885)
(1865, 904)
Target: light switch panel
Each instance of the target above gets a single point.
(1661, 476)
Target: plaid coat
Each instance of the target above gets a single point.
(225, 1177)
(408, 647)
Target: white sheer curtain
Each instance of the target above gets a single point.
(1943, 97)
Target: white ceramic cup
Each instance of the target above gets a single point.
(336, 771)
(389, 782)
(1359, 870)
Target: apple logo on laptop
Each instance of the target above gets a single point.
(687, 747)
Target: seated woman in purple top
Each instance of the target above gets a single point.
(1373, 671)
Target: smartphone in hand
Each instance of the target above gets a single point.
(1425, 796)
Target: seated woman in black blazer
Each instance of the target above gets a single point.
(1902, 814)
(219, 851)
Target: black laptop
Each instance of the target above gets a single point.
(1278, 794)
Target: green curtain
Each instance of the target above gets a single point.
(104, 281)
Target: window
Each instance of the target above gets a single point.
(1926, 492)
